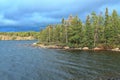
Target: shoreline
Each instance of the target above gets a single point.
(7, 37)
(68, 48)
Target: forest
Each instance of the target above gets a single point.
(98, 30)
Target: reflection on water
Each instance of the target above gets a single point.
(20, 61)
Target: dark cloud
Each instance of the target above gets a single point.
(39, 13)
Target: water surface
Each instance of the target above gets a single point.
(20, 61)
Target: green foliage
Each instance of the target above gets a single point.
(75, 32)
(89, 33)
(98, 30)
(21, 34)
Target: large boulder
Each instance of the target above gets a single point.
(66, 47)
(97, 49)
(85, 48)
(116, 49)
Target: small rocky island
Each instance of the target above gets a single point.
(98, 32)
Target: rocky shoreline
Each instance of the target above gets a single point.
(68, 48)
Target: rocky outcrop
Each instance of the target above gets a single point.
(66, 47)
(98, 49)
(48, 46)
(54, 47)
(116, 49)
(85, 48)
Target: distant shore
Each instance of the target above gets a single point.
(68, 48)
(5, 37)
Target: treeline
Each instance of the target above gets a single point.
(22, 34)
(101, 30)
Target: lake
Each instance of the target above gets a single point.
(20, 61)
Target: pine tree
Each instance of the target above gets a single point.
(89, 39)
(115, 28)
(75, 35)
(95, 25)
(106, 26)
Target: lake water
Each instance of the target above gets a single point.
(20, 61)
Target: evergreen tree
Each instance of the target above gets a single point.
(115, 28)
(95, 25)
(89, 39)
(75, 32)
(98, 30)
(106, 26)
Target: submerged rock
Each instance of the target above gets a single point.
(34, 43)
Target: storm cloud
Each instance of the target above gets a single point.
(25, 15)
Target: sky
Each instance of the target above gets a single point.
(33, 15)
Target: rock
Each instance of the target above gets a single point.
(116, 49)
(34, 43)
(42, 45)
(85, 48)
(66, 47)
(97, 49)
(52, 47)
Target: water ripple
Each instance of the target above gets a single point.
(20, 61)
